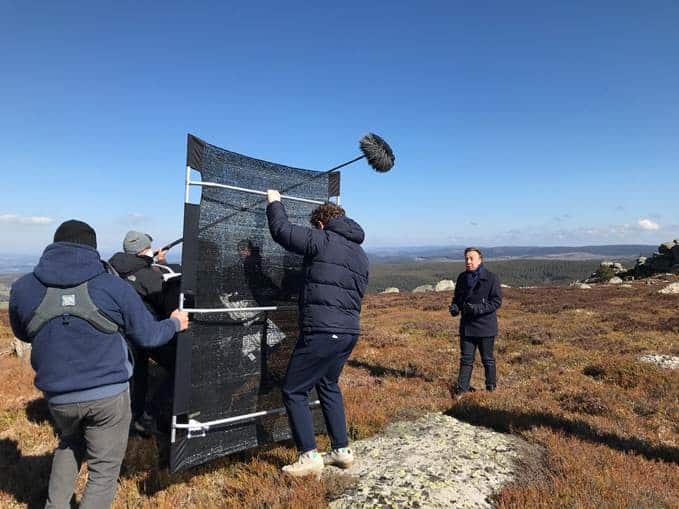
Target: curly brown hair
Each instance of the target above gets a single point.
(326, 213)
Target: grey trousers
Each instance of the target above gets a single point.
(92, 431)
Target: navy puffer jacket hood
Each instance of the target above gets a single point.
(335, 271)
(347, 228)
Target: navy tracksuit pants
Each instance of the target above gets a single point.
(317, 361)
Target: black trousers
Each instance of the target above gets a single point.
(163, 356)
(468, 345)
(317, 361)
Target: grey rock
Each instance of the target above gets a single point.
(675, 254)
(435, 461)
(671, 289)
(664, 361)
(424, 288)
(661, 263)
(391, 289)
(665, 247)
(446, 285)
(21, 349)
(615, 281)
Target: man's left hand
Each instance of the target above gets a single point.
(272, 195)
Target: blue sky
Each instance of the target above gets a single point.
(513, 123)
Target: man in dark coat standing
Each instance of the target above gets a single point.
(76, 316)
(477, 297)
(335, 279)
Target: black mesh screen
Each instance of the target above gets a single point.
(232, 363)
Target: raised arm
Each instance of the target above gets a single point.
(298, 239)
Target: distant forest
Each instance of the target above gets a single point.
(406, 276)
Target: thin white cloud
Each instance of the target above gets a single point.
(24, 220)
(648, 224)
(133, 219)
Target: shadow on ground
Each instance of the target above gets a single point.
(24, 477)
(379, 371)
(506, 421)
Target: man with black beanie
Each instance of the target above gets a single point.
(76, 315)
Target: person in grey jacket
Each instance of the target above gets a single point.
(477, 297)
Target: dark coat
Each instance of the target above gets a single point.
(335, 270)
(69, 355)
(147, 281)
(478, 305)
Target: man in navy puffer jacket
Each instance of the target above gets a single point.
(335, 279)
(75, 315)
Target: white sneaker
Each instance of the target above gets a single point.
(342, 458)
(309, 463)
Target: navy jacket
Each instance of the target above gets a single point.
(335, 270)
(485, 299)
(74, 361)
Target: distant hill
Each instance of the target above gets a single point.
(17, 263)
(515, 272)
(456, 253)
(6, 281)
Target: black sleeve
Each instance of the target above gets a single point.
(494, 300)
(298, 239)
(458, 298)
(154, 288)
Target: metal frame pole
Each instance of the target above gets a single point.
(202, 427)
(250, 191)
(229, 310)
(187, 179)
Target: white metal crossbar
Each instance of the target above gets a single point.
(199, 429)
(251, 191)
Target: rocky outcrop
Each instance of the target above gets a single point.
(423, 288)
(606, 271)
(435, 461)
(666, 259)
(391, 289)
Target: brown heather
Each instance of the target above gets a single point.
(569, 381)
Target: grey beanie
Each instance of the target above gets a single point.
(136, 242)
